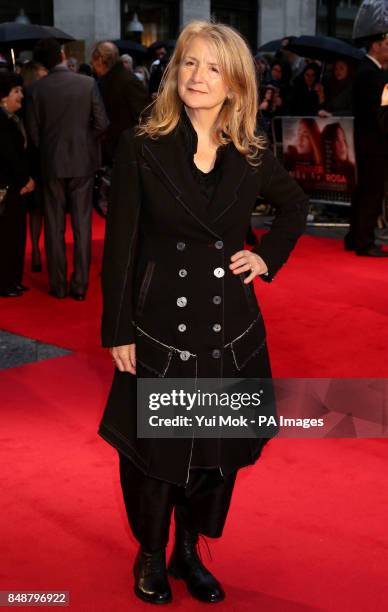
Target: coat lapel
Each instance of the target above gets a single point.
(167, 156)
(234, 169)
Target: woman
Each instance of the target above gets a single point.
(280, 78)
(339, 91)
(15, 181)
(177, 290)
(307, 96)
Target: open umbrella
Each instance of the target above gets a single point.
(26, 35)
(131, 47)
(275, 45)
(371, 19)
(169, 44)
(158, 44)
(58, 34)
(12, 33)
(323, 48)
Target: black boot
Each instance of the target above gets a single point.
(151, 583)
(185, 564)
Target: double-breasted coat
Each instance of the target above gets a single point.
(167, 286)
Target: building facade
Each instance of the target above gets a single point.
(258, 20)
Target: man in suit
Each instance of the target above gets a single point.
(123, 94)
(65, 119)
(371, 149)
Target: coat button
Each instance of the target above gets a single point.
(217, 299)
(216, 327)
(180, 246)
(182, 273)
(181, 301)
(219, 244)
(219, 272)
(216, 354)
(182, 327)
(184, 355)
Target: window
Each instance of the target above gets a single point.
(159, 19)
(38, 12)
(241, 14)
(336, 17)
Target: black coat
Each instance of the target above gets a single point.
(302, 101)
(368, 86)
(383, 119)
(14, 169)
(14, 173)
(163, 243)
(124, 98)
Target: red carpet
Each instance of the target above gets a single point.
(306, 530)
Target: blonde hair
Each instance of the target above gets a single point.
(236, 121)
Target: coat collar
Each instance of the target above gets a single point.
(168, 158)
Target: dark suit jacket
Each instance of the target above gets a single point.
(367, 89)
(65, 118)
(167, 285)
(124, 98)
(14, 171)
(383, 119)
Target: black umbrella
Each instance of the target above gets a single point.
(324, 48)
(131, 47)
(158, 44)
(58, 34)
(275, 45)
(12, 33)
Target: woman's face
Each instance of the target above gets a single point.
(13, 101)
(309, 77)
(277, 72)
(200, 84)
(340, 70)
(341, 146)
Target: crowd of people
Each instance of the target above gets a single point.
(61, 121)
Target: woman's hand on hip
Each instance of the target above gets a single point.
(124, 357)
(384, 96)
(246, 261)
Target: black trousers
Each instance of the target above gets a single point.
(77, 194)
(367, 201)
(201, 506)
(12, 242)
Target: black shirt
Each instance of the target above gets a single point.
(207, 181)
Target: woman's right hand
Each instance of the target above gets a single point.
(384, 96)
(124, 357)
(28, 187)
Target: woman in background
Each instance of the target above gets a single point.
(15, 181)
(339, 91)
(307, 96)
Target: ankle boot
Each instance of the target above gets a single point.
(185, 564)
(151, 583)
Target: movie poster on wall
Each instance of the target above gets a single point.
(319, 153)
